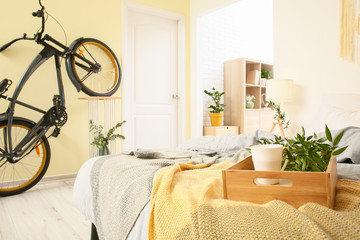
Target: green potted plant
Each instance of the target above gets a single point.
(265, 75)
(308, 153)
(216, 114)
(101, 140)
(250, 101)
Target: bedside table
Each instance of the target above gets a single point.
(221, 130)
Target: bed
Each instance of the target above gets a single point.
(114, 191)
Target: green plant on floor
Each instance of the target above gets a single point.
(102, 140)
(216, 97)
(308, 153)
(279, 115)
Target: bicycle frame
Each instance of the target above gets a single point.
(41, 127)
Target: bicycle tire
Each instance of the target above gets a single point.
(104, 83)
(18, 177)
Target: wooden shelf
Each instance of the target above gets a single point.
(220, 130)
(97, 98)
(252, 85)
(239, 82)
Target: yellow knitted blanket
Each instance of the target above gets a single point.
(188, 205)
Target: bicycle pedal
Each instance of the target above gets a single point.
(56, 132)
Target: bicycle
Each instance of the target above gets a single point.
(24, 148)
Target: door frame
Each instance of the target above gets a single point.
(127, 6)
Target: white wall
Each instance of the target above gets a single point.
(242, 29)
(306, 49)
(199, 8)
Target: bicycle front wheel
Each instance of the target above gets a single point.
(94, 83)
(19, 176)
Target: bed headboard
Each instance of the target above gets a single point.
(338, 111)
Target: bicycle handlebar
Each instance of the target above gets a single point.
(5, 46)
(37, 36)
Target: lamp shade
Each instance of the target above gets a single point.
(279, 90)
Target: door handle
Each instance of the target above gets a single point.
(175, 96)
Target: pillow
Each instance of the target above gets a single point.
(351, 139)
(224, 143)
(336, 118)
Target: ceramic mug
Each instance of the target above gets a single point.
(267, 157)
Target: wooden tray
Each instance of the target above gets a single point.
(295, 188)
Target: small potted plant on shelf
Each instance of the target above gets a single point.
(250, 101)
(216, 114)
(101, 140)
(308, 153)
(265, 75)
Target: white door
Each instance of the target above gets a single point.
(151, 94)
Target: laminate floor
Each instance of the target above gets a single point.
(44, 212)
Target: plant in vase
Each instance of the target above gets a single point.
(250, 101)
(216, 113)
(101, 140)
(308, 153)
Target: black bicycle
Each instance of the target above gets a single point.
(24, 149)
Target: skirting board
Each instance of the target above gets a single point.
(61, 177)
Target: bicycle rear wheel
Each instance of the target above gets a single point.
(17, 177)
(102, 83)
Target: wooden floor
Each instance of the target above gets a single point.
(44, 212)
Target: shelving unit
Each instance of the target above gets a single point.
(240, 80)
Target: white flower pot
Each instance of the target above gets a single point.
(267, 157)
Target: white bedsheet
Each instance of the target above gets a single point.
(83, 201)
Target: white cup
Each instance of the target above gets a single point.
(267, 157)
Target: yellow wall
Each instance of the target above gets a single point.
(88, 18)
(306, 38)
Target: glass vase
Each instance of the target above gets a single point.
(104, 151)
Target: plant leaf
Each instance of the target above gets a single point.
(328, 134)
(338, 138)
(339, 151)
(303, 132)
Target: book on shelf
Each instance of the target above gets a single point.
(253, 77)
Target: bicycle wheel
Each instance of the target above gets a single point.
(20, 176)
(102, 83)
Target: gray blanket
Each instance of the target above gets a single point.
(122, 185)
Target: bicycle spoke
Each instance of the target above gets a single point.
(3, 164)
(88, 53)
(86, 76)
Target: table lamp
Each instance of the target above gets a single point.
(279, 91)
